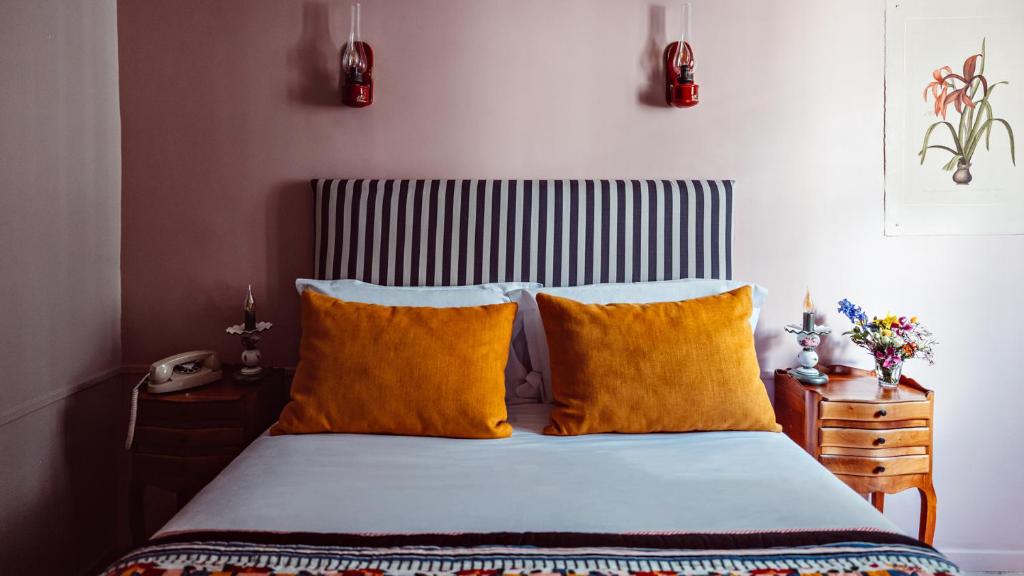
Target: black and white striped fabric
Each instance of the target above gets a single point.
(555, 232)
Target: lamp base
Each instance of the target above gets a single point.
(249, 374)
(809, 376)
(357, 94)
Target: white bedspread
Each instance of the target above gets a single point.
(701, 482)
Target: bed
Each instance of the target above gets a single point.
(358, 504)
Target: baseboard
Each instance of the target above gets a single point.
(44, 400)
(981, 560)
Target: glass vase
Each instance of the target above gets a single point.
(888, 378)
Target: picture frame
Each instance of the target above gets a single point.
(954, 94)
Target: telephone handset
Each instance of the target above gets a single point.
(173, 374)
(183, 371)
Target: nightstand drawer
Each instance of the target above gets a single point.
(880, 412)
(859, 438)
(873, 452)
(188, 441)
(894, 466)
(198, 414)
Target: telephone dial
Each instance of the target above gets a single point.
(174, 374)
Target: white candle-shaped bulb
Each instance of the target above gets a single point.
(250, 310)
(808, 323)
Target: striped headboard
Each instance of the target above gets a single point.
(556, 232)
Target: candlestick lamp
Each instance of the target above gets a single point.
(249, 331)
(808, 335)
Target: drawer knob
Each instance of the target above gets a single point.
(881, 413)
(879, 441)
(879, 469)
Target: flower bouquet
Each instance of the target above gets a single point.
(890, 340)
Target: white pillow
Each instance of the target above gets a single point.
(622, 293)
(519, 385)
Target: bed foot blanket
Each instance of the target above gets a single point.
(855, 552)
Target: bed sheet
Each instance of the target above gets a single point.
(605, 483)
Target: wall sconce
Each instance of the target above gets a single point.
(356, 67)
(680, 89)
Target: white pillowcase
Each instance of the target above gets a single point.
(622, 293)
(520, 386)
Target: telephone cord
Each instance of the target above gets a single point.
(134, 412)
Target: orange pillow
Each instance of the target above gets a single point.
(664, 367)
(365, 368)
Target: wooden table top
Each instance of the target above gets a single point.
(853, 385)
(226, 389)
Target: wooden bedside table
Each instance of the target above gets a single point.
(184, 439)
(877, 442)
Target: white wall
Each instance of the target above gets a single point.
(806, 145)
(60, 295)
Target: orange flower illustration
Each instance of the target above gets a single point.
(939, 88)
(969, 92)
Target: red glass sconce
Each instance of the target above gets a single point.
(356, 67)
(680, 89)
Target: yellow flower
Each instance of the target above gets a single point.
(913, 319)
(886, 333)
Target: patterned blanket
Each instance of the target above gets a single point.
(840, 553)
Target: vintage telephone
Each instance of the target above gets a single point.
(183, 371)
(173, 374)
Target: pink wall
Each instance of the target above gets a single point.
(228, 108)
(60, 284)
(60, 210)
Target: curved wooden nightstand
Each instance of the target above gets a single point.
(184, 439)
(878, 442)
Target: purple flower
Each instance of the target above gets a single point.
(852, 311)
(889, 357)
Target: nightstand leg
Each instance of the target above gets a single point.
(928, 503)
(878, 501)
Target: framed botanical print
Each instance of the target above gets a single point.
(954, 97)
